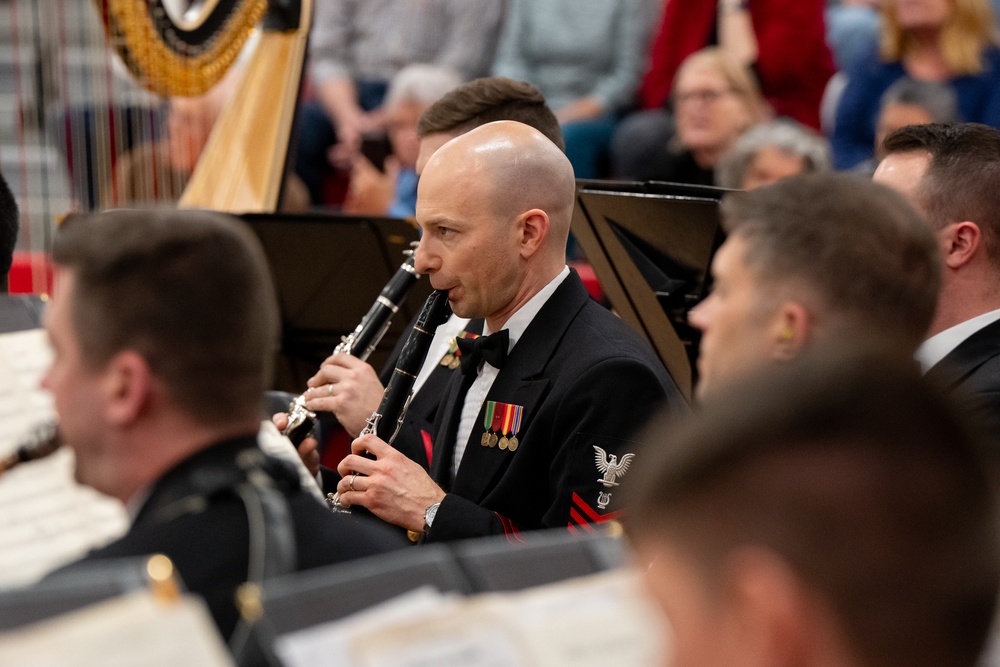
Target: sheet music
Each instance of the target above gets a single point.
(328, 644)
(135, 630)
(594, 621)
(46, 518)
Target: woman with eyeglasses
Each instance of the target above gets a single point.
(715, 100)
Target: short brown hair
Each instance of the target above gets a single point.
(962, 181)
(189, 290)
(489, 99)
(857, 246)
(860, 476)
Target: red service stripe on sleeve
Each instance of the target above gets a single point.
(580, 521)
(509, 528)
(592, 515)
(428, 446)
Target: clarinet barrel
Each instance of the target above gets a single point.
(363, 341)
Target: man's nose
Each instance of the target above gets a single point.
(423, 261)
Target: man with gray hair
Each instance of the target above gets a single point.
(767, 153)
(391, 188)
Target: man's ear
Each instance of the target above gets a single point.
(768, 608)
(959, 242)
(126, 387)
(534, 225)
(792, 329)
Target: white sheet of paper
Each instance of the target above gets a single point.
(599, 620)
(328, 644)
(134, 630)
(593, 621)
(46, 518)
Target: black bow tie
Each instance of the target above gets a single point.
(491, 349)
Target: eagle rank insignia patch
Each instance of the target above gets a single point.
(612, 469)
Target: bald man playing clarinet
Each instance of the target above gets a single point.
(535, 432)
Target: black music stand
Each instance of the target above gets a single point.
(651, 246)
(68, 590)
(309, 598)
(328, 271)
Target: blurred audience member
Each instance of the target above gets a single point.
(357, 46)
(851, 30)
(910, 102)
(586, 56)
(392, 190)
(782, 41)
(771, 152)
(829, 511)
(948, 41)
(158, 172)
(810, 260)
(716, 100)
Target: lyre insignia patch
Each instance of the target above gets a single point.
(610, 466)
(603, 500)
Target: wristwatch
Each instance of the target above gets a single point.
(429, 515)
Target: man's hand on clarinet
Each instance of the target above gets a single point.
(308, 449)
(347, 387)
(391, 486)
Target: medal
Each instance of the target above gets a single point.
(496, 423)
(454, 363)
(504, 422)
(447, 359)
(488, 415)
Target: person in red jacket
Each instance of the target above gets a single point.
(783, 41)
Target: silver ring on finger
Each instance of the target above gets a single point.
(351, 482)
(329, 389)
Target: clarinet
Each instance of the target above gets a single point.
(41, 441)
(387, 419)
(360, 343)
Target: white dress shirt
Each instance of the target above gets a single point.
(439, 347)
(474, 400)
(938, 346)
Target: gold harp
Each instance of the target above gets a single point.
(184, 47)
